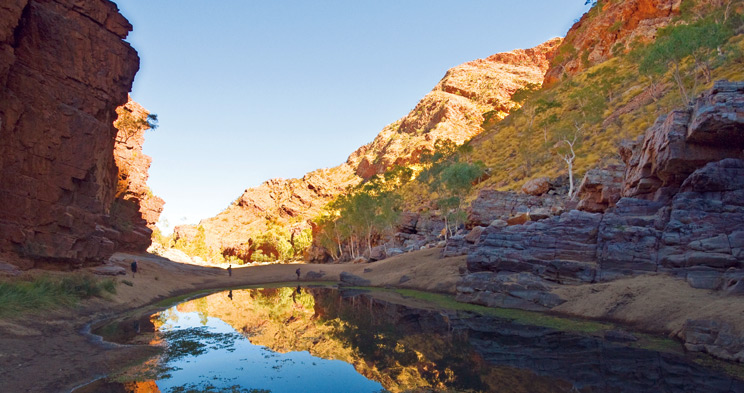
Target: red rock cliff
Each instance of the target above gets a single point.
(599, 35)
(454, 110)
(64, 68)
(136, 210)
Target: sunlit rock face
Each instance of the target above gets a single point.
(597, 36)
(136, 209)
(64, 68)
(455, 109)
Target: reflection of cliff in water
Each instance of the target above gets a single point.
(406, 348)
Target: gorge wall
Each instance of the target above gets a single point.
(64, 69)
(610, 28)
(453, 111)
(136, 209)
(681, 213)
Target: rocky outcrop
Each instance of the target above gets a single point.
(684, 141)
(493, 205)
(600, 189)
(64, 69)
(455, 109)
(689, 222)
(609, 28)
(716, 338)
(289, 202)
(536, 187)
(136, 210)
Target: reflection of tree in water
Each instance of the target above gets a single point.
(400, 349)
(202, 308)
(403, 348)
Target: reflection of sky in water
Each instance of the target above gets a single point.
(257, 367)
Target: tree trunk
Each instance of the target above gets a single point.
(680, 83)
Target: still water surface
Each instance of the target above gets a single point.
(326, 340)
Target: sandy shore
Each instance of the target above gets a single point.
(49, 352)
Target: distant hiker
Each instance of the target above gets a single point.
(134, 268)
(298, 273)
(229, 270)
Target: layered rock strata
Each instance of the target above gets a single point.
(64, 68)
(693, 228)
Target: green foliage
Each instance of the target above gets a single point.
(565, 52)
(353, 220)
(302, 241)
(529, 90)
(40, 293)
(197, 247)
(165, 241)
(130, 125)
(675, 44)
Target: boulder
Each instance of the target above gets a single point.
(474, 235)
(600, 189)
(536, 187)
(377, 253)
(109, 270)
(313, 275)
(717, 338)
(349, 279)
(391, 252)
(519, 219)
(509, 290)
(407, 222)
(491, 205)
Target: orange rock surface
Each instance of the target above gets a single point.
(597, 35)
(64, 68)
(136, 210)
(453, 111)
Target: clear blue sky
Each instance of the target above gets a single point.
(251, 90)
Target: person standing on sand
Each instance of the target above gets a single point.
(134, 268)
(298, 273)
(229, 270)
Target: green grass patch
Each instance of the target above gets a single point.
(43, 293)
(520, 316)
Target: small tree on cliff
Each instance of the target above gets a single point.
(565, 149)
(130, 125)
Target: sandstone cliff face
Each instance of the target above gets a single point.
(599, 35)
(136, 210)
(64, 68)
(286, 202)
(454, 110)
